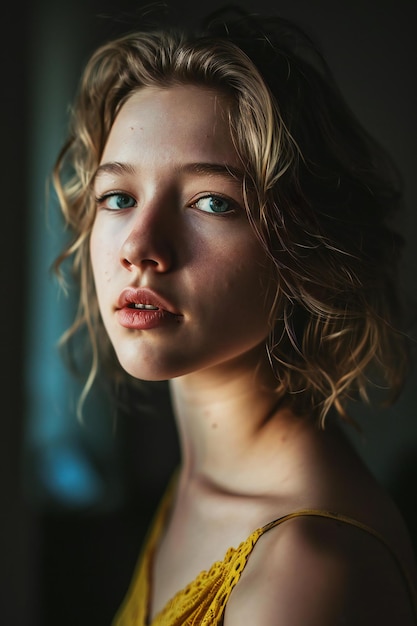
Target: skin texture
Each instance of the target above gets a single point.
(245, 460)
(208, 266)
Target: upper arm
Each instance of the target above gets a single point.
(313, 572)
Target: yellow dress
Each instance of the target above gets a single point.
(202, 602)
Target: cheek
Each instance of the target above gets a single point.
(239, 277)
(95, 249)
(102, 256)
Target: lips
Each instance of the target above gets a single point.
(144, 299)
(143, 309)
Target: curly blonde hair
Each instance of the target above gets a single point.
(318, 192)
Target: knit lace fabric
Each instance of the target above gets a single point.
(202, 602)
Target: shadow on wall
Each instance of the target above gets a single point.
(402, 488)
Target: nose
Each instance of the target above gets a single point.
(149, 242)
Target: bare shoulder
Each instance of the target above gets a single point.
(313, 571)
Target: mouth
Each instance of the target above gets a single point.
(142, 307)
(145, 299)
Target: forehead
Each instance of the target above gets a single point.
(180, 119)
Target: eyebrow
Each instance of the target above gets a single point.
(113, 167)
(216, 169)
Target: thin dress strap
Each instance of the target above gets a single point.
(208, 594)
(339, 517)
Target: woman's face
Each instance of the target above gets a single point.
(183, 285)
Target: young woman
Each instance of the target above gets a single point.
(231, 236)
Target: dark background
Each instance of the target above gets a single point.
(67, 566)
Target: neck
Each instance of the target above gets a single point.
(229, 420)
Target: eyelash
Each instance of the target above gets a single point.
(216, 197)
(101, 200)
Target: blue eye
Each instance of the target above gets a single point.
(116, 201)
(213, 204)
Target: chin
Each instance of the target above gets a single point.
(149, 368)
(141, 372)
